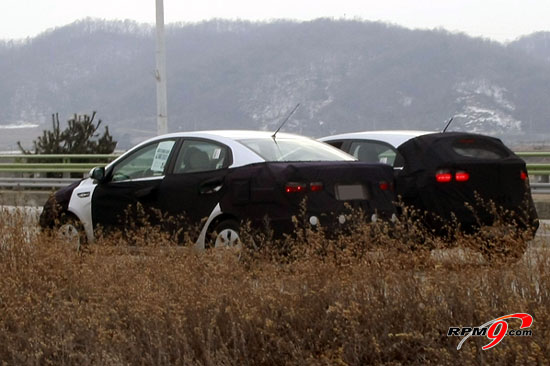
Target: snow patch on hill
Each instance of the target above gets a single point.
(275, 95)
(484, 108)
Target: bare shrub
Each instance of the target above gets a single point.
(366, 296)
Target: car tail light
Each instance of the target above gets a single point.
(523, 175)
(443, 176)
(294, 187)
(462, 176)
(316, 186)
(384, 186)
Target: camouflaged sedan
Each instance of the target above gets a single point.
(221, 179)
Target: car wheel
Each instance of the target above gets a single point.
(71, 231)
(226, 234)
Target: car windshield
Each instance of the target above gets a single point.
(287, 149)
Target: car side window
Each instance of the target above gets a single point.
(373, 152)
(146, 162)
(201, 156)
(336, 144)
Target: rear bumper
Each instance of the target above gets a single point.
(331, 223)
(469, 217)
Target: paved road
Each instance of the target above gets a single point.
(33, 213)
(537, 250)
(544, 229)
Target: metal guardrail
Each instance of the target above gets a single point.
(63, 157)
(539, 171)
(38, 183)
(52, 163)
(28, 171)
(47, 171)
(540, 188)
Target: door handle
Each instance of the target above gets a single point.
(211, 187)
(144, 192)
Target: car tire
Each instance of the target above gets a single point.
(225, 234)
(71, 231)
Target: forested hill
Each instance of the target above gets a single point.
(347, 75)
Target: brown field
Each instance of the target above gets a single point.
(364, 298)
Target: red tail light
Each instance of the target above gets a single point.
(523, 175)
(293, 187)
(462, 176)
(443, 176)
(384, 186)
(316, 186)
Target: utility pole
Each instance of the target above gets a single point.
(160, 74)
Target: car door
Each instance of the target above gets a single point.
(133, 180)
(195, 182)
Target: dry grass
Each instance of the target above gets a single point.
(365, 297)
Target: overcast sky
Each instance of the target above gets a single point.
(501, 20)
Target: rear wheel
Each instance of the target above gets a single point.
(71, 231)
(226, 234)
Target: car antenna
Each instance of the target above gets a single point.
(286, 119)
(448, 124)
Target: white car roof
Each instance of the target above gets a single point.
(224, 136)
(232, 134)
(242, 155)
(392, 137)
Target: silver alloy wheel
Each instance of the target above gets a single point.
(70, 234)
(227, 238)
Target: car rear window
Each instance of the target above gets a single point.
(479, 149)
(285, 149)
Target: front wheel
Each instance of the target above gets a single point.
(71, 231)
(226, 234)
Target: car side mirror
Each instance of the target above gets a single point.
(98, 174)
